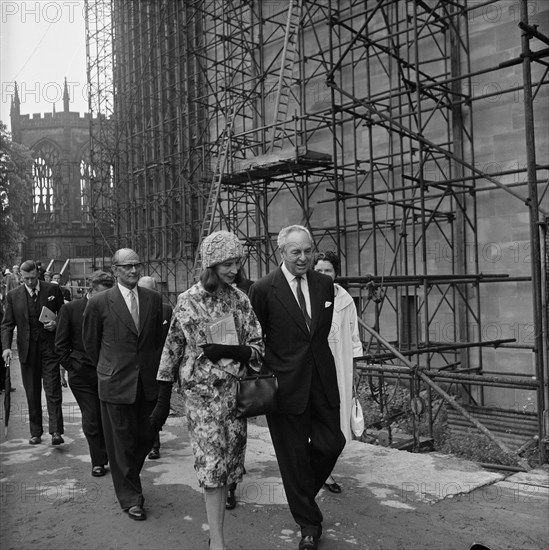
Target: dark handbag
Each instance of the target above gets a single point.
(256, 393)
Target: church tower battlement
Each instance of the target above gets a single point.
(59, 226)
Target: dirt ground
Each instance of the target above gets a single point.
(390, 500)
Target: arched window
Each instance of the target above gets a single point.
(85, 196)
(45, 172)
(43, 188)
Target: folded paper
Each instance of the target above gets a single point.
(47, 315)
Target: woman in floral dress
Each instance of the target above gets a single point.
(208, 372)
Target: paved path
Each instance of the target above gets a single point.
(391, 499)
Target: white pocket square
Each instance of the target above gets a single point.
(327, 304)
(165, 322)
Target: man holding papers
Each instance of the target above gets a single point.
(25, 306)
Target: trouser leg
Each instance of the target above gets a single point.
(307, 447)
(118, 427)
(326, 439)
(88, 401)
(52, 387)
(2, 374)
(31, 376)
(128, 437)
(146, 435)
(289, 434)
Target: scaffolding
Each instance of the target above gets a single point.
(357, 119)
(145, 192)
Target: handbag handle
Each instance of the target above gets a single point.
(263, 369)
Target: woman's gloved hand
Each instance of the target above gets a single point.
(214, 352)
(161, 410)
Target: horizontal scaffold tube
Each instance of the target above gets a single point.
(447, 397)
(445, 376)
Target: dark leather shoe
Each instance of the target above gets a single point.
(35, 439)
(137, 513)
(333, 487)
(231, 500)
(56, 439)
(98, 471)
(154, 454)
(308, 542)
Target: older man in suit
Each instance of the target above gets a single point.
(122, 332)
(294, 305)
(82, 374)
(35, 344)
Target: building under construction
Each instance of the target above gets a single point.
(412, 136)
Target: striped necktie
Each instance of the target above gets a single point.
(134, 310)
(302, 303)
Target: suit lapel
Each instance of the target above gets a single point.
(144, 308)
(120, 309)
(82, 303)
(316, 300)
(286, 297)
(22, 298)
(43, 297)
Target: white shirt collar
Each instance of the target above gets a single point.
(290, 277)
(293, 286)
(37, 287)
(127, 291)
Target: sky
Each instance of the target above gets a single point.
(42, 42)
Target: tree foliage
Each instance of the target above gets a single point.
(15, 194)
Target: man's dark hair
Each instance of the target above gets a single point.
(101, 278)
(28, 265)
(328, 256)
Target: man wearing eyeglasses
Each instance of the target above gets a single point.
(122, 332)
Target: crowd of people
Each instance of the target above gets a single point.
(124, 349)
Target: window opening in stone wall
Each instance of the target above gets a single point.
(85, 175)
(43, 188)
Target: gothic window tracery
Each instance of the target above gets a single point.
(44, 172)
(86, 174)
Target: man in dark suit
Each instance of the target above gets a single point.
(35, 344)
(122, 332)
(82, 374)
(294, 305)
(150, 282)
(56, 279)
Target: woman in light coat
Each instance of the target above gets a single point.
(344, 341)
